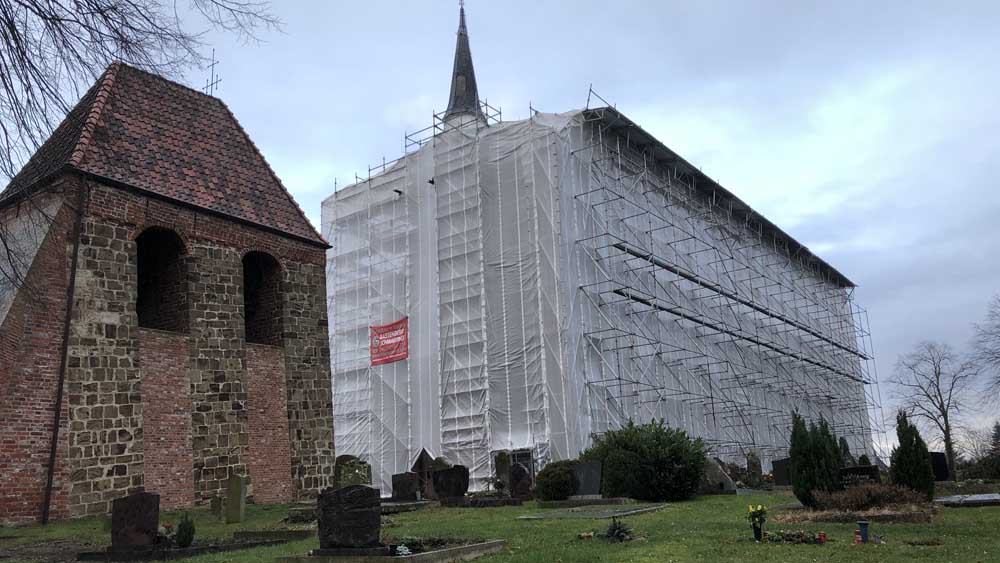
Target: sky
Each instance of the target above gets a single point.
(868, 131)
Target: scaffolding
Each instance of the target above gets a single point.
(564, 274)
(702, 314)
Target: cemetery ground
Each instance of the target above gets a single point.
(709, 528)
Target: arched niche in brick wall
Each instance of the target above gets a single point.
(162, 292)
(262, 298)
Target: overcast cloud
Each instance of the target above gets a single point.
(869, 131)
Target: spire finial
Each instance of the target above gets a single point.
(464, 97)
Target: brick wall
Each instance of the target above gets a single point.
(269, 458)
(30, 344)
(166, 406)
(106, 396)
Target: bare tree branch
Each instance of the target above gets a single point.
(932, 383)
(986, 349)
(51, 51)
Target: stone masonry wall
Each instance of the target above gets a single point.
(269, 457)
(215, 247)
(166, 406)
(218, 382)
(105, 439)
(307, 363)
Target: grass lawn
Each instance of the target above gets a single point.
(706, 529)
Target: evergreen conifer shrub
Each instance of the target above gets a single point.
(911, 462)
(815, 460)
(556, 481)
(649, 462)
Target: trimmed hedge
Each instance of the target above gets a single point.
(649, 462)
(556, 481)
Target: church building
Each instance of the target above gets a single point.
(526, 285)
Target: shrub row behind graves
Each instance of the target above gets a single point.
(866, 496)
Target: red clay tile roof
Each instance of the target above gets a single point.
(158, 136)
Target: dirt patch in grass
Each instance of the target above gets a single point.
(903, 514)
(53, 551)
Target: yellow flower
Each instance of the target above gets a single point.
(750, 506)
(759, 507)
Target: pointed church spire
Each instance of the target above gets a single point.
(464, 96)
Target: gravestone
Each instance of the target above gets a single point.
(859, 473)
(588, 475)
(520, 481)
(755, 472)
(236, 499)
(452, 482)
(939, 464)
(501, 464)
(715, 479)
(405, 486)
(349, 470)
(779, 470)
(218, 507)
(135, 520)
(424, 468)
(350, 521)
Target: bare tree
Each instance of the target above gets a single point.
(933, 384)
(986, 348)
(976, 443)
(52, 50)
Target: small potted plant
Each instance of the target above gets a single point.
(757, 516)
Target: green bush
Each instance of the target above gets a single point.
(815, 460)
(863, 460)
(556, 481)
(185, 532)
(911, 462)
(648, 462)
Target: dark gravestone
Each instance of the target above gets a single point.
(350, 517)
(135, 520)
(755, 472)
(779, 470)
(588, 475)
(520, 481)
(859, 474)
(405, 486)
(424, 468)
(349, 470)
(236, 499)
(452, 482)
(939, 463)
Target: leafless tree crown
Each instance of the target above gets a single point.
(986, 348)
(933, 383)
(52, 50)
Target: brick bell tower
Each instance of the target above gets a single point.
(167, 326)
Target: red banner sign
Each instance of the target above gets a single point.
(391, 342)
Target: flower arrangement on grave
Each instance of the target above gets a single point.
(757, 516)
